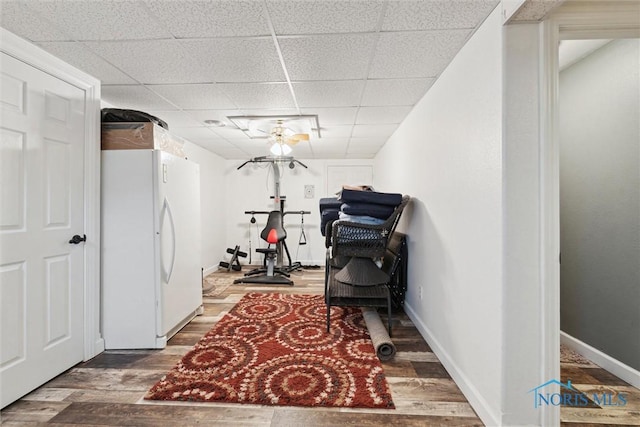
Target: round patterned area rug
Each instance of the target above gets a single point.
(273, 349)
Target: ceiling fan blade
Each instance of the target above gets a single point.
(294, 139)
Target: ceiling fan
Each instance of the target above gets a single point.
(281, 131)
(282, 134)
(281, 139)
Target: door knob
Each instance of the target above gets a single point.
(77, 239)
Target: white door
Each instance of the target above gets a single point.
(41, 208)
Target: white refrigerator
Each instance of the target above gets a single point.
(151, 250)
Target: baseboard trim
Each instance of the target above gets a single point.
(475, 398)
(209, 270)
(606, 362)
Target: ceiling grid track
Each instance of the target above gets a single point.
(279, 51)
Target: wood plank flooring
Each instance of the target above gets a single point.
(108, 389)
(588, 378)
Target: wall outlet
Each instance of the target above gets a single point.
(420, 293)
(309, 191)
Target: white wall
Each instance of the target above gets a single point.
(525, 286)
(249, 189)
(600, 203)
(213, 211)
(447, 155)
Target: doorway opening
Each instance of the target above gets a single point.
(599, 176)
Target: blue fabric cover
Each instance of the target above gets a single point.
(389, 199)
(329, 203)
(327, 215)
(367, 209)
(362, 219)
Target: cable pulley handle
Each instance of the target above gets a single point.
(303, 237)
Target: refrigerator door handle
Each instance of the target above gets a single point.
(167, 208)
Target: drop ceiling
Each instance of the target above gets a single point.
(359, 65)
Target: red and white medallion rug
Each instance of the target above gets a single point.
(273, 349)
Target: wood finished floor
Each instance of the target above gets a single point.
(108, 389)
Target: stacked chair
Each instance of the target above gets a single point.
(356, 248)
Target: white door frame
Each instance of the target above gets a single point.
(26, 52)
(575, 21)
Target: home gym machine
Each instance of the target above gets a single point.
(274, 233)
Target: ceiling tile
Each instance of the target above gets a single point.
(81, 57)
(314, 17)
(362, 150)
(195, 97)
(210, 18)
(266, 112)
(134, 97)
(329, 144)
(327, 57)
(366, 131)
(231, 133)
(373, 141)
(321, 153)
(329, 94)
(402, 15)
(230, 154)
(252, 150)
(215, 146)
(19, 19)
(176, 119)
(359, 156)
(382, 115)
(416, 53)
(254, 59)
(330, 132)
(146, 61)
(253, 147)
(102, 20)
(395, 92)
(259, 95)
(333, 116)
(202, 115)
(195, 134)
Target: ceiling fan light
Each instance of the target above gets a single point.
(280, 149)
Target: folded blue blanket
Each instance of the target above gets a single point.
(388, 199)
(362, 219)
(367, 209)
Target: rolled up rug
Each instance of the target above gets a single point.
(385, 350)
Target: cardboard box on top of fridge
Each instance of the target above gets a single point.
(140, 136)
